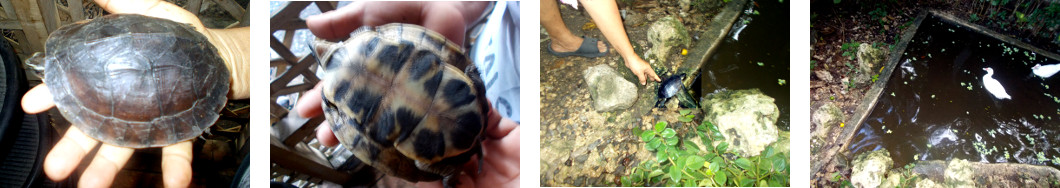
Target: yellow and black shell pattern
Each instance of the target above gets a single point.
(405, 100)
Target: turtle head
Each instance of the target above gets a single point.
(36, 62)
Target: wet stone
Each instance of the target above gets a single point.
(747, 119)
(824, 75)
(608, 89)
(666, 33)
(869, 168)
(869, 58)
(826, 117)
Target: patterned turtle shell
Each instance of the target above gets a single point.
(405, 100)
(134, 81)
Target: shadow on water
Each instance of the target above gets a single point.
(753, 39)
(935, 106)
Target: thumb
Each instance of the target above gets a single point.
(640, 76)
(656, 76)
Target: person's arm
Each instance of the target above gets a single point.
(605, 15)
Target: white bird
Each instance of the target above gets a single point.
(1045, 71)
(993, 86)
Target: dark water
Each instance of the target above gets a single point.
(936, 108)
(736, 66)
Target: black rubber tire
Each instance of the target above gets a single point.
(24, 139)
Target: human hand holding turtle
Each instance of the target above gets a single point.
(232, 45)
(501, 148)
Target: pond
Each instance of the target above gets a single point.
(935, 105)
(751, 57)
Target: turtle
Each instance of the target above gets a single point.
(404, 100)
(134, 81)
(668, 89)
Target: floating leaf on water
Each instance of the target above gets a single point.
(761, 64)
(892, 94)
(888, 131)
(781, 81)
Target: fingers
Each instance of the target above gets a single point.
(326, 136)
(105, 166)
(640, 77)
(67, 154)
(653, 75)
(338, 23)
(309, 105)
(153, 8)
(176, 164)
(502, 155)
(37, 100)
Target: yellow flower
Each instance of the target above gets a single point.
(684, 51)
(842, 124)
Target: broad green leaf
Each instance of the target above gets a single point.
(768, 152)
(654, 144)
(746, 182)
(675, 173)
(660, 126)
(719, 178)
(780, 164)
(743, 163)
(694, 162)
(722, 146)
(672, 141)
(712, 127)
(684, 112)
(626, 182)
(638, 176)
(762, 183)
(692, 147)
(684, 119)
(646, 136)
(680, 162)
(655, 173)
(668, 133)
(690, 184)
(705, 183)
(716, 164)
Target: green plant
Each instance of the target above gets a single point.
(813, 64)
(850, 49)
(875, 77)
(684, 163)
(879, 13)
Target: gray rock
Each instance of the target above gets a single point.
(665, 34)
(868, 59)
(894, 179)
(826, 117)
(685, 5)
(824, 75)
(959, 173)
(747, 119)
(927, 183)
(608, 89)
(869, 168)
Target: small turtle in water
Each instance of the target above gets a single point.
(669, 88)
(404, 100)
(134, 81)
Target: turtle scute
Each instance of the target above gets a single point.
(404, 100)
(135, 81)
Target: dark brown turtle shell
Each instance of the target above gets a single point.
(135, 81)
(405, 100)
